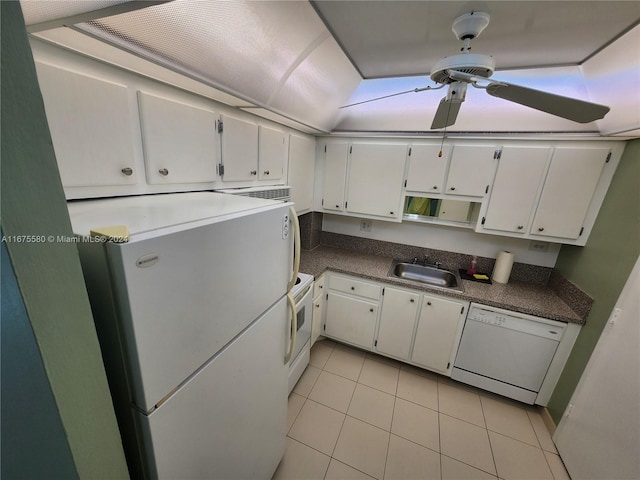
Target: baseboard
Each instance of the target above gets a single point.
(547, 420)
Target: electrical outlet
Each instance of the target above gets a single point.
(538, 246)
(365, 225)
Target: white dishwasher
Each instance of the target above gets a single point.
(506, 352)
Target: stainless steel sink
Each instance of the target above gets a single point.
(427, 275)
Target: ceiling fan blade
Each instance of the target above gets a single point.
(447, 113)
(565, 107)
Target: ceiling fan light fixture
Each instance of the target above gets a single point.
(470, 25)
(475, 64)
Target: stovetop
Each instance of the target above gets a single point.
(302, 282)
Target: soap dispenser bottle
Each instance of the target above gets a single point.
(472, 270)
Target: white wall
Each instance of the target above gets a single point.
(451, 239)
(599, 434)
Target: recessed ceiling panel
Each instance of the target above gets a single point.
(395, 38)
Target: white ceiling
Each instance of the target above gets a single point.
(300, 60)
(397, 38)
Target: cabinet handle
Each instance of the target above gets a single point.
(391, 213)
(128, 171)
(371, 309)
(435, 187)
(429, 303)
(164, 172)
(353, 288)
(520, 227)
(337, 206)
(253, 172)
(412, 300)
(266, 172)
(452, 188)
(541, 229)
(317, 305)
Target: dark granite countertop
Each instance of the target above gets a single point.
(529, 298)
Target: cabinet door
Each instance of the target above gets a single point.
(272, 153)
(351, 319)
(91, 128)
(571, 181)
(239, 149)
(335, 175)
(397, 321)
(375, 179)
(515, 189)
(470, 170)
(179, 141)
(302, 154)
(316, 325)
(438, 328)
(426, 168)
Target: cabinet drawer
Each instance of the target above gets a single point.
(355, 287)
(318, 286)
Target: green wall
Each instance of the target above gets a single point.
(49, 276)
(601, 267)
(30, 421)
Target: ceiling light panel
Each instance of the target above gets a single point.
(247, 48)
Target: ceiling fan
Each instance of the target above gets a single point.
(458, 71)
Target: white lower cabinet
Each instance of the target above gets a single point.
(397, 322)
(414, 327)
(351, 319)
(318, 309)
(352, 310)
(438, 334)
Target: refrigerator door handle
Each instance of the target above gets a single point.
(296, 246)
(294, 327)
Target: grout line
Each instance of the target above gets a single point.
(439, 426)
(443, 380)
(484, 417)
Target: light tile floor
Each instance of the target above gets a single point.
(357, 415)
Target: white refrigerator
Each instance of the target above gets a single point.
(194, 326)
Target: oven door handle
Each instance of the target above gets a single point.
(294, 327)
(302, 294)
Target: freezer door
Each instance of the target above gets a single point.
(228, 421)
(182, 297)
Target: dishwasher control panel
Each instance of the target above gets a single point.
(484, 316)
(520, 322)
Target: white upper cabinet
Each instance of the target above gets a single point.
(179, 141)
(272, 153)
(548, 192)
(91, 127)
(470, 170)
(572, 179)
(302, 154)
(239, 149)
(520, 174)
(427, 168)
(335, 175)
(376, 176)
